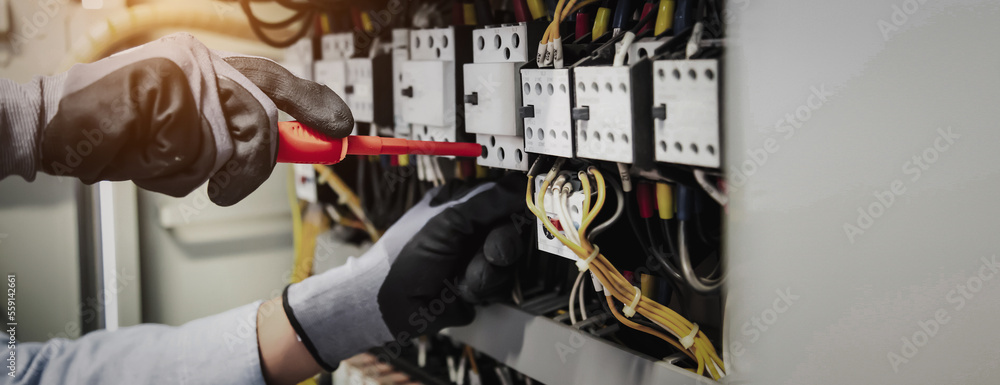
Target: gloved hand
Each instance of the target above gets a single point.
(168, 115)
(458, 242)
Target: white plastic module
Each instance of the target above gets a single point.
(299, 59)
(493, 86)
(500, 44)
(300, 52)
(503, 152)
(331, 73)
(492, 94)
(432, 44)
(400, 54)
(305, 182)
(546, 241)
(547, 92)
(361, 96)
(428, 93)
(605, 93)
(337, 46)
(433, 133)
(686, 128)
(643, 48)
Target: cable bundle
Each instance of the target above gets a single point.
(550, 47)
(685, 335)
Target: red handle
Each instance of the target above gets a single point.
(300, 144)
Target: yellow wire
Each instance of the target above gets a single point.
(293, 202)
(348, 198)
(616, 284)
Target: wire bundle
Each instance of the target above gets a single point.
(685, 335)
(550, 47)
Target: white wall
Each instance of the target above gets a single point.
(38, 243)
(199, 259)
(850, 302)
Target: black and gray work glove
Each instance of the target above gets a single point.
(168, 115)
(456, 245)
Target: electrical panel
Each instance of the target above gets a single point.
(546, 104)
(604, 125)
(686, 112)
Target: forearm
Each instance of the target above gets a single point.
(220, 349)
(24, 108)
(283, 358)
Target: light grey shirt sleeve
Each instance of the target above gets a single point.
(220, 349)
(24, 110)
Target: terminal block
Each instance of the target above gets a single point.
(547, 242)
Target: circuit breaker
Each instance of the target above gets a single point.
(369, 95)
(686, 112)
(430, 83)
(331, 70)
(492, 94)
(546, 101)
(400, 55)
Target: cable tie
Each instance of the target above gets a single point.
(598, 287)
(585, 264)
(629, 310)
(688, 340)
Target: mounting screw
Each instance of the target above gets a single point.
(527, 111)
(660, 112)
(472, 98)
(581, 113)
(407, 92)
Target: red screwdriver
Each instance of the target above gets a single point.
(300, 144)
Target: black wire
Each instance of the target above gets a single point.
(257, 28)
(644, 242)
(669, 237)
(281, 24)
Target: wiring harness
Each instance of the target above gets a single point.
(683, 334)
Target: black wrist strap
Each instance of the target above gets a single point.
(302, 334)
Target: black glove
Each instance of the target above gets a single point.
(458, 242)
(171, 114)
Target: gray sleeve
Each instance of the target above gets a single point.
(24, 110)
(220, 349)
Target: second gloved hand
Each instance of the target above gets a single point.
(457, 244)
